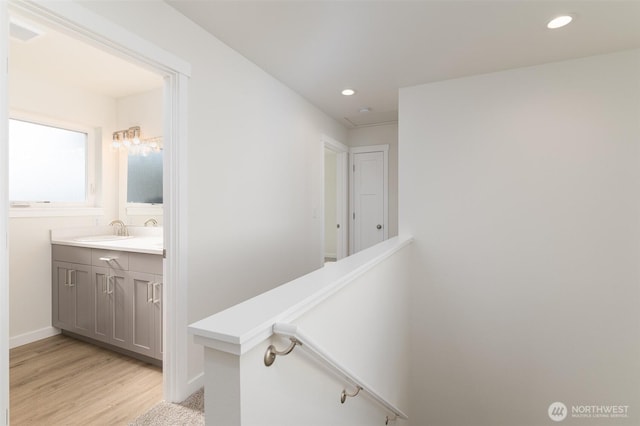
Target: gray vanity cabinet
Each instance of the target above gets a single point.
(147, 314)
(112, 306)
(110, 296)
(72, 297)
(146, 281)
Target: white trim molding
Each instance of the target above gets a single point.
(4, 219)
(150, 210)
(55, 211)
(98, 31)
(333, 144)
(33, 336)
(175, 317)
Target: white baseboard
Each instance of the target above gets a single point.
(194, 384)
(32, 336)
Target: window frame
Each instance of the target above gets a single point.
(19, 208)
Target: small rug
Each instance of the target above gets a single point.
(189, 412)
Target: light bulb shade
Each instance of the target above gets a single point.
(116, 140)
(133, 134)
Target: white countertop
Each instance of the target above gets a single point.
(141, 240)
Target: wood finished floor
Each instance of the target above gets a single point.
(63, 381)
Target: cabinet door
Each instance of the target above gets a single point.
(82, 292)
(102, 304)
(63, 310)
(143, 317)
(157, 307)
(119, 291)
(72, 307)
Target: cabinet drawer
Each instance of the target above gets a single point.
(142, 262)
(110, 259)
(71, 254)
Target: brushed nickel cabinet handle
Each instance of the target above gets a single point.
(156, 300)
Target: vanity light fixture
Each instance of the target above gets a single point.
(559, 22)
(348, 92)
(131, 140)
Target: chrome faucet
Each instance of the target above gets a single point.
(151, 221)
(120, 228)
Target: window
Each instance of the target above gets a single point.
(49, 164)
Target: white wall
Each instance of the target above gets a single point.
(29, 243)
(381, 135)
(254, 163)
(330, 212)
(521, 189)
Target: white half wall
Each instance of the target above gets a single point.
(354, 311)
(385, 134)
(255, 173)
(521, 190)
(365, 327)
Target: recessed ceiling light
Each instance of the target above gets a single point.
(364, 109)
(559, 22)
(348, 92)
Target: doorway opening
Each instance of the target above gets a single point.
(79, 96)
(172, 73)
(335, 240)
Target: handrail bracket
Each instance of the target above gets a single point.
(272, 352)
(344, 394)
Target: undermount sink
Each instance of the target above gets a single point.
(95, 238)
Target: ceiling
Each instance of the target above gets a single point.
(320, 47)
(54, 56)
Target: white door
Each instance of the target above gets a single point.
(369, 199)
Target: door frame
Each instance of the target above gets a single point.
(342, 213)
(106, 35)
(4, 219)
(385, 190)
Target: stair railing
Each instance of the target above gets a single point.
(298, 338)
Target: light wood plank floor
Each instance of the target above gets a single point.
(63, 381)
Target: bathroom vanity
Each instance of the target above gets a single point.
(107, 289)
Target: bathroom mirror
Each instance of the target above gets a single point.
(144, 178)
